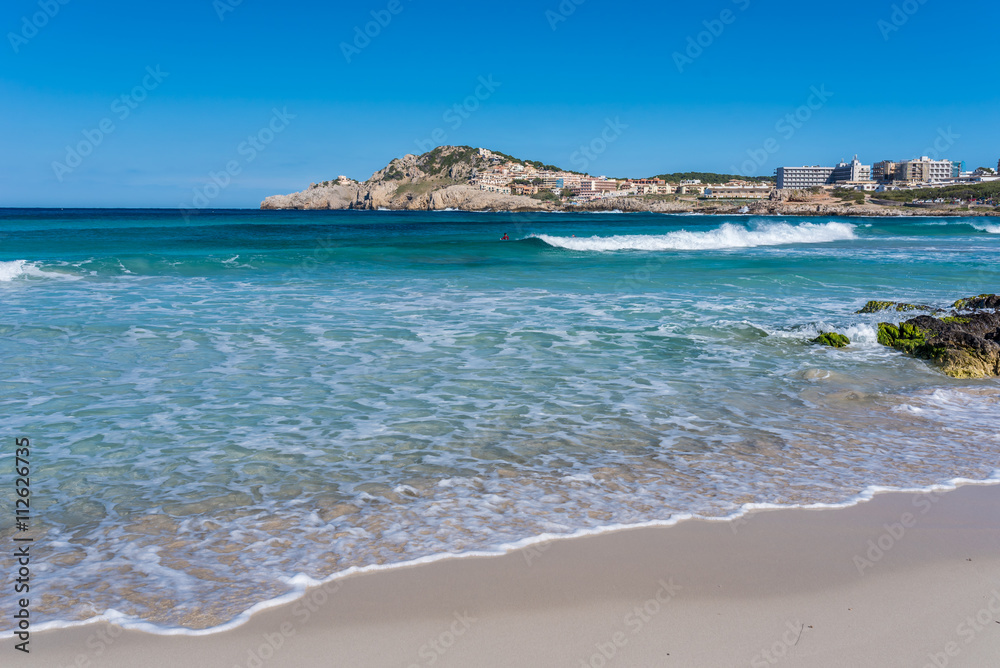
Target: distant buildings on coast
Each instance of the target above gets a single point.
(508, 177)
(922, 172)
(511, 177)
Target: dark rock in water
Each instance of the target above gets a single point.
(978, 303)
(832, 339)
(901, 307)
(964, 346)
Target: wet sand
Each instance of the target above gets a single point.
(901, 580)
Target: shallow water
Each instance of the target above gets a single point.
(217, 405)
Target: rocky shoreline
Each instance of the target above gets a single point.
(963, 340)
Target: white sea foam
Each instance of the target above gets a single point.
(726, 236)
(300, 584)
(987, 227)
(22, 268)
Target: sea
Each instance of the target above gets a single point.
(225, 407)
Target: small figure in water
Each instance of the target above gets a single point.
(504, 237)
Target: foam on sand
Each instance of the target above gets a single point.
(726, 236)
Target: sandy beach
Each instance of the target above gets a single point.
(901, 580)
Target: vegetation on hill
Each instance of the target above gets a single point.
(546, 196)
(963, 192)
(440, 160)
(849, 196)
(712, 177)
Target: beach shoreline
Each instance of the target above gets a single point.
(890, 581)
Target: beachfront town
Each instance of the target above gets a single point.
(505, 176)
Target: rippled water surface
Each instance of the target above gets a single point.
(217, 405)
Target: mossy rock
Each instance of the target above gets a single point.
(907, 337)
(832, 339)
(899, 307)
(987, 301)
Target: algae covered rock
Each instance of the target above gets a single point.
(899, 307)
(832, 339)
(978, 303)
(963, 346)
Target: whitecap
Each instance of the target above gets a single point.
(726, 236)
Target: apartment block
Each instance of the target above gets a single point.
(804, 177)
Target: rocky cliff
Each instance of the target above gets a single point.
(433, 181)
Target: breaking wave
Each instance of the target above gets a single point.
(726, 236)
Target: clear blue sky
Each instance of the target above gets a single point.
(897, 87)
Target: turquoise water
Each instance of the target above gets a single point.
(219, 404)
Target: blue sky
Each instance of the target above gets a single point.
(265, 98)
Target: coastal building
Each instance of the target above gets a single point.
(851, 171)
(738, 190)
(803, 177)
(925, 170)
(649, 187)
(885, 171)
(524, 189)
(691, 186)
(865, 184)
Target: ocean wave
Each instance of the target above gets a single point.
(987, 227)
(21, 269)
(726, 236)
